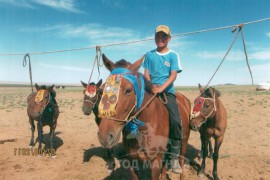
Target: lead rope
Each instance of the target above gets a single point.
(245, 50)
(235, 37)
(141, 109)
(97, 59)
(30, 70)
(165, 98)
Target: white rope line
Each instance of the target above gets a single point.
(131, 42)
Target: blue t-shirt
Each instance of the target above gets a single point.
(160, 66)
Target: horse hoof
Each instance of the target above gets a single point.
(200, 174)
(215, 177)
(110, 171)
(31, 147)
(53, 156)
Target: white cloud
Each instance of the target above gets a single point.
(22, 3)
(268, 34)
(69, 68)
(233, 55)
(261, 55)
(67, 5)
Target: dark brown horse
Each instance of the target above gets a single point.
(43, 108)
(92, 95)
(153, 118)
(210, 118)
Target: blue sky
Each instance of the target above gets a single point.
(48, 25)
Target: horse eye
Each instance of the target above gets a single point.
(206, 104)
(83, 91)
(128, 91)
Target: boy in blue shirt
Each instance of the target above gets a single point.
(161, 68)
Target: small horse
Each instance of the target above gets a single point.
(43, 108)
(92, 95)
(210, 118)
(128, 96)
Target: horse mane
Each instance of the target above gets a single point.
(125, 64)
(217, 92)
(122, 63)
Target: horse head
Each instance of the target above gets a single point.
(122, 96)
(205, 107)
(40, 100)
(92, 94)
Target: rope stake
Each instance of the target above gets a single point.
(30, 70)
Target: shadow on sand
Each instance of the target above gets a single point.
(122, 173)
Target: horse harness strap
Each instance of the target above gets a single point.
(91, 102)
(132, 118)
(199, 113)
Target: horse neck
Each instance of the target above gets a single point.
(219, 116)
(145, 114)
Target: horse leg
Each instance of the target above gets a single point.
(218, 142)
(52, 130)
(133, 174)
(110, 161)
(204, 150)
(156, 166)
(163, 173)
(40, 134)
(182, 157)
(210, 155)
(31, 121)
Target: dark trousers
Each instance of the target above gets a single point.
(174, 118)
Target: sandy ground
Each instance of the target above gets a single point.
(244, 154)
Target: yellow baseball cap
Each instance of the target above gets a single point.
(163, 28)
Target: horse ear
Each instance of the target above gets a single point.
(108, 64)
(201, 88)
(37, 87)
(136, 66)
(50, 88)
(83, 84)
(99, 83)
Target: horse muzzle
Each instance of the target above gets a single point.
(87, 110)
(195, 124)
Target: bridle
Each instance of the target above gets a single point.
(93, 103)
(199, 113)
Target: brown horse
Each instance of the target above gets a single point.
(92, 95)
(210, 118)
(153, 118)
(43, 108)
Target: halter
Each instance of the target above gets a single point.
(198, 105)
(91, 94)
